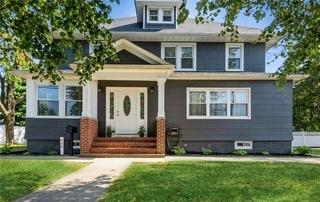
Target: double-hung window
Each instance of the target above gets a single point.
(153, 15)
(48, 100)
(218, 103)
(234, 57)
(167, 15)
(73, 100)
(181, 55)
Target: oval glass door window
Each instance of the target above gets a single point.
(126, 105)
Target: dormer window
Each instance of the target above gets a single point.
(153, 15)
(167, 16)
(160, 15)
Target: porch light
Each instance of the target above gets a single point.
(152, 89)
(99, 89)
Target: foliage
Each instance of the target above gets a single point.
(306, 106)
(141, 131)
(178, 150)
(52, 152)
(28, 30)
(217, 181)
(206, 150)
(5, 149)
(296, 24)
(109, 131)
(20, 177)
(240, 152)
(265, 153)
(315, 151)
(302, 150)
(14, 148)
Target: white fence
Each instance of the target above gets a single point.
(311, 139)
(18, 135)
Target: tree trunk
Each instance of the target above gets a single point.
(9, 128)
(8, 110)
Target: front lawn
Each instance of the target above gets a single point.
(315, 151)
(217, 181)
(20, 177)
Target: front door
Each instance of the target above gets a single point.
(127, 108)
(126, 112)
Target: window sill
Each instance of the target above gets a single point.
(219, 118)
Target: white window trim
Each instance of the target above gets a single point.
(61, 94)
(37, 99)
(160, 15)
(237, 45)
(243, 147)
(208, 103)
(178, 54)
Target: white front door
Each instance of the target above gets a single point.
(126, 109)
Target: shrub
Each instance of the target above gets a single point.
(141, 131)
(6, 149)
(302, 150)
(52, 152)
(206, 150)
(179, 151)
(240, 152)
(265, 153)
(109, 131)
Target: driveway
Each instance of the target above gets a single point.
(89, 183)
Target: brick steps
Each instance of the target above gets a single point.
(123, 146)
(118, 150)
(125, 139)
(104, 155)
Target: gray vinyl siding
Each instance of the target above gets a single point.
(227, 147)
(43, 134)
(160, 25)
(126, 57)
(152, 102)
(271, 113)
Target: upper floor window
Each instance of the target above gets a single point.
(48, 100)
(218, 103)
(73, 100)
(153, 15)
(234, 57)
(181, 55)
(160, 15)
(167, 15)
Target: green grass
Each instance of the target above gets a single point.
(20, 177)
(315, 151)
(16, 147)
(217, 181)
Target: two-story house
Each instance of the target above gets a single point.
(168, 76)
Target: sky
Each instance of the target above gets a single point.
(126, 8)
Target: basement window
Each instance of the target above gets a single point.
(243, 145)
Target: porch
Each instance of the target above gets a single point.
(125, 98)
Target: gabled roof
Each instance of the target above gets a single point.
(124, 44)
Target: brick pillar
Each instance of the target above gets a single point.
(88, 131)
(161, 135)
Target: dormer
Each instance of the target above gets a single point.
(158, 14)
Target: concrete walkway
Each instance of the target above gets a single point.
(89, 183)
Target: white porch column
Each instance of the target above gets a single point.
(89, 105)
(161, 90)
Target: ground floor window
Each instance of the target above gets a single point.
(218, 103)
